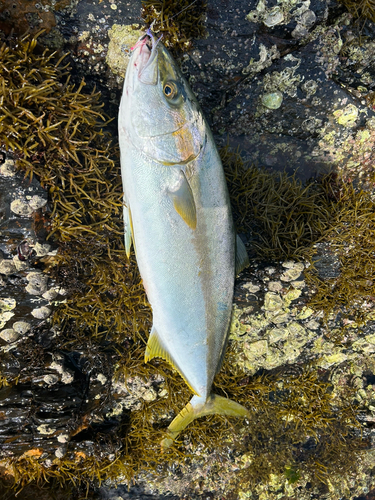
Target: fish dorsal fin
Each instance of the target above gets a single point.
(242, 259)
(156, 349)
(183, 201)
(128, 230)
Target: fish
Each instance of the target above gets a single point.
(177, 215)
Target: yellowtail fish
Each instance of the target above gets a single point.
(177, 214)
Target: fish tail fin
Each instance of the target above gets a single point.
(198, 407)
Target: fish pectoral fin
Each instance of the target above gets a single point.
(197, 408)
(183, 201)
(242, 259)
(128, 230)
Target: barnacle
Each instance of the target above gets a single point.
(31, 16)
(178, 22)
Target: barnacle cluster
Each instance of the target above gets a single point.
(178, 22)
(297, 428)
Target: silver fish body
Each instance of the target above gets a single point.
(177, 213)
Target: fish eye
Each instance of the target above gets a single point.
(170, 90)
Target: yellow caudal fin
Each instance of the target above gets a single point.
(196, 408)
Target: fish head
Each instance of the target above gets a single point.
(159, 113)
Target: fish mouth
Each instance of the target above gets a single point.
(146, 58)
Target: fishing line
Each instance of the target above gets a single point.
(185, 8)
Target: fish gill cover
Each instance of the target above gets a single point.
(105, 419)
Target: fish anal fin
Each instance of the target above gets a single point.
(183, 201)
(196, 408)
(156, 349)
(242, 259)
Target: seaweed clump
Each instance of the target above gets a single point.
(178, 22)
(361, 8)
(285, 217)
(352, 239)
(299, 429)
(54, 131)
